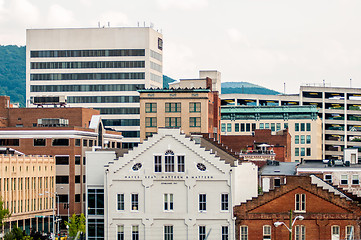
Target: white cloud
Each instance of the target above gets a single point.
(117, 19)
(182, 4)
(24, 12)
(59, 16)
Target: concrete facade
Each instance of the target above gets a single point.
(100, 68)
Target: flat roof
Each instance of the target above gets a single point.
(269, 109)
(284, 168)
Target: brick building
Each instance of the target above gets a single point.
(65, 133)
(281, 143)
(327, 212)
(191, 104)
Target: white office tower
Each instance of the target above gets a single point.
(99, 68)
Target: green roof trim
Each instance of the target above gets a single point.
(175, 90)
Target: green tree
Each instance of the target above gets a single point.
(4, 213)
(15, 234)
(76, 224)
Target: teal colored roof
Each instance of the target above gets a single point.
(269, 109)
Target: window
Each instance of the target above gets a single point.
(308, 139)
(223, 127)
(172, 107)
(77, 199)
(224, 201)
(297, 127)
(194, 122)
(302, 139)
(85, 142)
(244, 232)
(62, 160)
(225, 233)
(277, 182)
(278, 127)
(202, 232)
(308, 151)
(95, 229)
(344, 180)
(350, 232)
(253, 126)
(236, 127)
(273, 127)
(60, 142)
(150, 122)
(335, 232)
(169, 161)
(297, 139)
(168, 202)
(134, 200)
(202, 199)
(302, 151)
(168, 232)
(77, 179)
(302, 127)
(308, 127)
(39, 142)
(157, 163)
(297, 152)
(328, 178)
(248, 127)
(194, 107)
(181, 164)
(285, 125)
(300, 232)
(229, 127)
(62, 179)
(261, 126)
(95, 201)
(242, 127)
(120, 201)
(120, 232)
(77, 142)
(9, 142)
(266, 232)
(172, 121)
(355, 179)
(266, 126)
(300, 202)
(135, 232)
(77, 160)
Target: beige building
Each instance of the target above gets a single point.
(302, 123)
(27, 189)
(192, 106)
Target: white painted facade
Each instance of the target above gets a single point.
(152, 214)
(79, 89)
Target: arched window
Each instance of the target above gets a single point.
(169, 161)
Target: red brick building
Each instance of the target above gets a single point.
(327, 212)
(281, 143)
(65, 133)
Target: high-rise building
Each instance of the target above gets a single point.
(100, 68)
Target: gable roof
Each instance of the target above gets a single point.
(310, 184)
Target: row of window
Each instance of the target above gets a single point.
(27, 169)
(131, 134)
(300, 232)
(121, 122)
(85, 76)
(93, 64)
(168, 202)
(125, 110)
(103, 99)
(57, 142)
(302, 152)
(302, 139)
(156, 67)
(65, 179)
(302, 127)
(169, 163)
(30, 183)
(156, 78)
(28, 205)
(169, 233)
(64, 160)
(172, 122)
(156, 55)
(87, 53)
(86, 88)
(247, 127)
(173, 107)
(345, 179)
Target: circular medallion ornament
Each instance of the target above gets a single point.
(201, 167)
(137, 166)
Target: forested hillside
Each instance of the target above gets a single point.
(12, 73)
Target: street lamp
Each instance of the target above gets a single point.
(289, 228)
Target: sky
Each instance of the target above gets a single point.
(271, 43)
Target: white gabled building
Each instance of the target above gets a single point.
(170, 187)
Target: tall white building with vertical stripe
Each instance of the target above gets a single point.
(100, 68)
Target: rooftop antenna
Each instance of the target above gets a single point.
(284, 88)
(324, 84)
(138, 23)
(98, 24)
(144, 23)
(151, 25)
(350, 82)
(108, 24)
